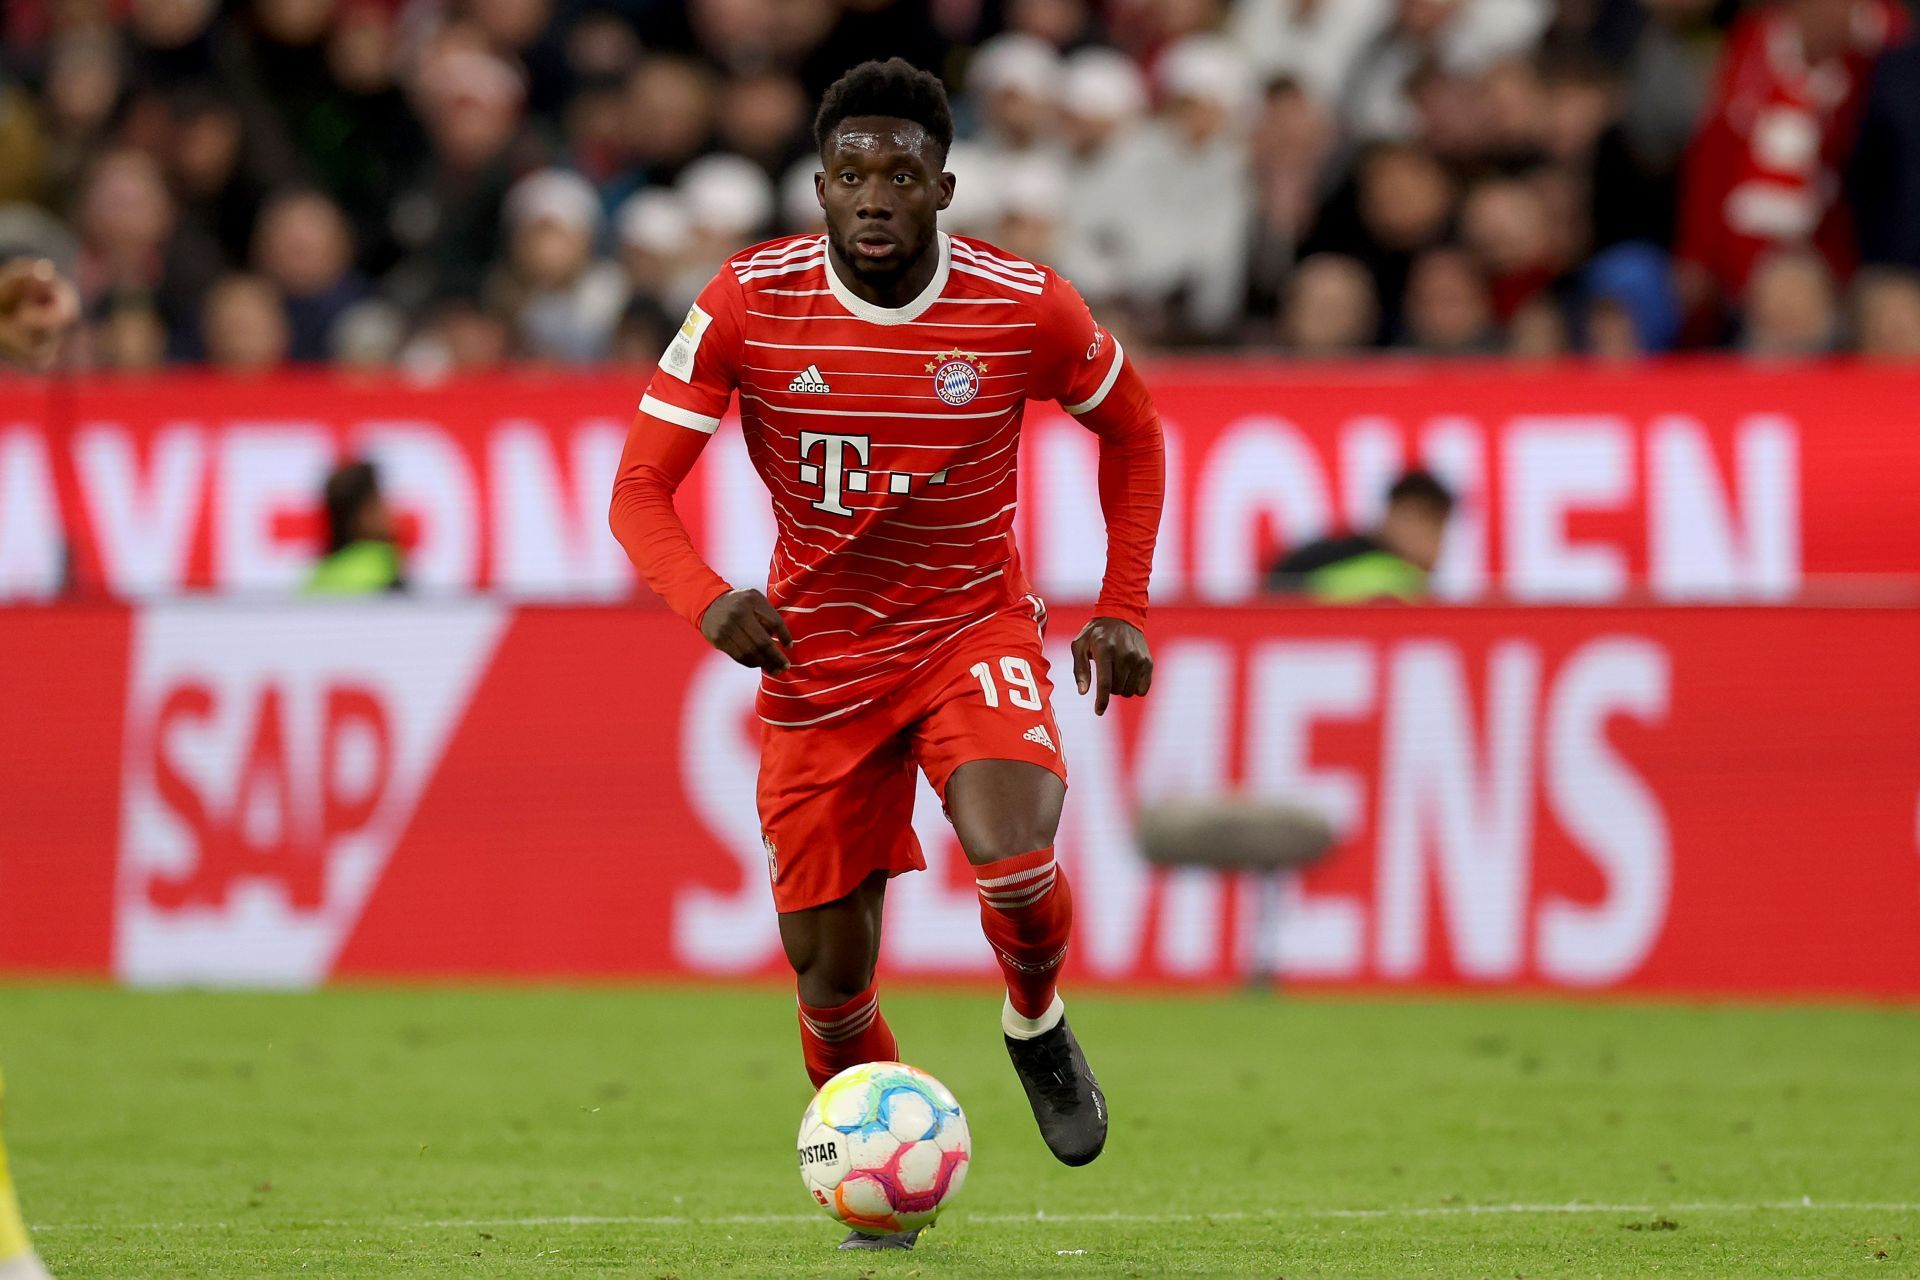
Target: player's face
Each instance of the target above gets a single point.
(882, 190)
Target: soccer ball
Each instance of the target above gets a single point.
(883, 1147)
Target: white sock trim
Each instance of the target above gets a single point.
(1029, 1028)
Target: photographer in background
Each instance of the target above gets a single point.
(362, 555)
(1390, 563)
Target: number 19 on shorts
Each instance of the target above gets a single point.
(1023, 690)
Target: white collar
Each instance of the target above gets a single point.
(895, 315)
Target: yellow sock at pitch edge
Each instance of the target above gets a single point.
(13, 1230)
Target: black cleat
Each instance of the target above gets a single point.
(1066, 1099)
(898, 1240)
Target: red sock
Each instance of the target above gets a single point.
(1027, 911)
(845, 1035)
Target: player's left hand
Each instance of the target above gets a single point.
(37, 307)
(1111, 657)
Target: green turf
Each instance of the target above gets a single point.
(429, 1133)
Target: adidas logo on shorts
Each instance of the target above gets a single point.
(1039, 734)
(809, 379)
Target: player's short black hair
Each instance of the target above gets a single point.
(894, 88)
(1424, 488)
(349, 489)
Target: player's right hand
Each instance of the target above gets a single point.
(746, 627)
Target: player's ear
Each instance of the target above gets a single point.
(946, 191)
(820, 186)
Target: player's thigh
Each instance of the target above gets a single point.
(991, 747)
(836, 806)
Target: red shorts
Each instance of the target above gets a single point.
(836, 799)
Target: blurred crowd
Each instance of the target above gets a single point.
(448, 185)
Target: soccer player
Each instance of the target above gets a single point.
(37, 307)
(882, 370)
(17, 1260)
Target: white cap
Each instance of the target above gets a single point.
(1026, 64)
(726, 193)
(976, 188)
(1209, 68)
(1033, 186)
(799, 206)
(1102, 84)
(557, 194)
(655, 221)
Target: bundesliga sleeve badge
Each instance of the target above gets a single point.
(956, 376)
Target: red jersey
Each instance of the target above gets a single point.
(1764, 167)
(889, 441)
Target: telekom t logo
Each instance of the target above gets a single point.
(838, 477)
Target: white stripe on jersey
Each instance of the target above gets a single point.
(784, 253)
(881, 351)
(889, 414)
(911, 324)
(801, 724)
(668, 412)
(984, 274)
(902, 524)
(785, 269)
(881, 670)
(1092, 402)
(1007, 266)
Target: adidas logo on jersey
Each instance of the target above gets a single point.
(1039, 734)
(809, 379)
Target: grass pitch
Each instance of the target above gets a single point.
(648, 1133)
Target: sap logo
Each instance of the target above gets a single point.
(274, 759)
(289, 803)
(819, 1153)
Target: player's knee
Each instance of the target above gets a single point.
(827, 986)
(1007, 835)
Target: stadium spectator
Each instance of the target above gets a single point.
(132, 240)
(1188, 221)
(1764, 168)
(565, 301)
(362, 556)
(1398, 203)
(1330, 308)
(1538, 135)
(1538, 330)
(1792, 311)
(1449, 309)
(1435, 40)
(1886, 305)
(85, 84)
(37, 307)
(1103, 99)
(1390, 562)
(446, 219)
(243, 326)
(460, 336)
(303, 246)
(125, 334)
(1505, 222)
(1293, 141)
(1629, 309)
(670, 117)
(1315, 43)
(1885, 179)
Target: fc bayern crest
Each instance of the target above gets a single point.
(956, 376)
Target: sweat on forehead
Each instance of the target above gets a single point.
(874, 134)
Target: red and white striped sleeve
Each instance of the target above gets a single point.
(684, 402)
(1082, 366)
